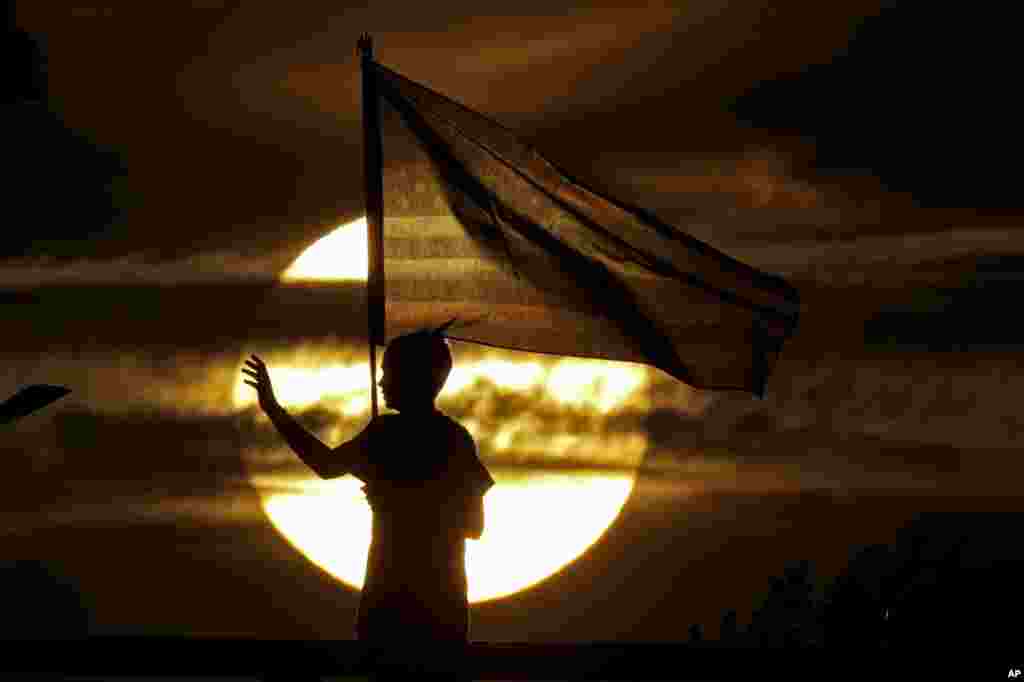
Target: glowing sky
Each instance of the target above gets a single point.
(869, 166)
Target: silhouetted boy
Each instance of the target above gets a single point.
(425, 484)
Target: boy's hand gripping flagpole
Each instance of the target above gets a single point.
(374, 211)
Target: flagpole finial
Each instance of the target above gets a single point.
(365, 46)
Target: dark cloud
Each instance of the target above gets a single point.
(238, 136)
(171, 317)
(922, 101)
(93, 456)
(61, 188)
(969, 317)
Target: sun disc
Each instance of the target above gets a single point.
(529, 533)
(339, 256)
(536, 522)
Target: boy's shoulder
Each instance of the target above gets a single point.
(457, 426)
(407, 426)
(438, 417)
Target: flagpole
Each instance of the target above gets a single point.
(373, 173)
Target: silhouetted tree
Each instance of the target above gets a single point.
(729, 631)
(40, 602)
(856, 603)
(933, 592)
(918, 591)
(789, 615)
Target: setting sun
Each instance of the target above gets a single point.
(525, 513)
(537, 520)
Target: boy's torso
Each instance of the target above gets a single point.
(415, 578)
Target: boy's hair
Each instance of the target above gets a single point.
(422, 357)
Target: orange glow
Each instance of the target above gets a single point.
(305, 378)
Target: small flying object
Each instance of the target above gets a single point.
(29, 399)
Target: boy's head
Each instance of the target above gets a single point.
(415, 368)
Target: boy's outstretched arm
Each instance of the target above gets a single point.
(324, 461)
(304, 444)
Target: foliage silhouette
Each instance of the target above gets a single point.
(923, 590)
(40, 602)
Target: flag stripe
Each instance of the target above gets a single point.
(543, 175)
(638, 328)
(656, 265)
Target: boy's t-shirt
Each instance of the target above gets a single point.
(421, 475)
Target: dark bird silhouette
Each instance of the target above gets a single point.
(29, 399)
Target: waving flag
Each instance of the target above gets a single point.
(478, 225)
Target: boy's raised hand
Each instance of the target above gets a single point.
(256, 369)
